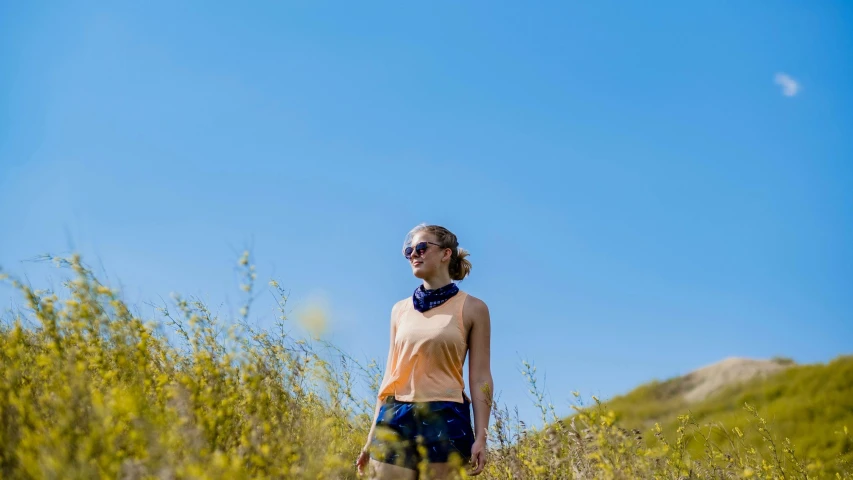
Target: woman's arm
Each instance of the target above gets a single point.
(385, 379)
(479, 375)
(364, 456)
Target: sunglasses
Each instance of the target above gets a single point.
(419, 249)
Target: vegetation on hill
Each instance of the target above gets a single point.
(809, 404)
(90, 390)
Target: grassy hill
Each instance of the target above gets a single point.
(809, 404)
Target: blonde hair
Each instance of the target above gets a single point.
(460, 266)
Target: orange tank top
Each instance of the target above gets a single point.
(428, 352)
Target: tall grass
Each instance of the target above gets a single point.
(91, 390)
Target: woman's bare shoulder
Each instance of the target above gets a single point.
(475, 309)
(398, 307)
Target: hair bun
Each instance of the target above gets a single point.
(460, 267)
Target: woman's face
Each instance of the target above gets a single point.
(429, 262)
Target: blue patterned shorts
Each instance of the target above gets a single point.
(442, 429)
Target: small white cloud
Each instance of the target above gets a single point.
(790, 87)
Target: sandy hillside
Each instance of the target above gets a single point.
(701, 383)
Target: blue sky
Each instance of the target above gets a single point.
(639, 195)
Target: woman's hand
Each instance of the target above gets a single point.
(361, 463)
(478, 457)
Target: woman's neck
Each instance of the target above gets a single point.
(438, 282)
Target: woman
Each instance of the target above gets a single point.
(422, 422)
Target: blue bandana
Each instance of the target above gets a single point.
(424, 299)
